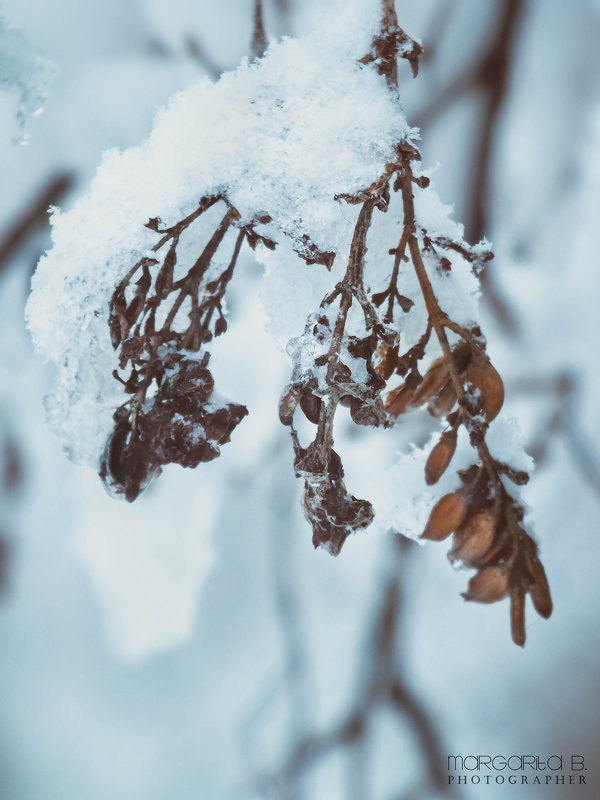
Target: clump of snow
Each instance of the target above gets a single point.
(291, 290)
(280, 136)
(505, 440)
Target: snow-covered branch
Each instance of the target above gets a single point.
(277, 157)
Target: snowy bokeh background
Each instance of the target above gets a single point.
(186, 645)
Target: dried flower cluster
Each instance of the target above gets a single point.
(173, 413)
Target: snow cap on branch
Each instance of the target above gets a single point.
(280, 136)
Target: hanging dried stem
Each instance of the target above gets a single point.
(462, 386)
(485, 518)
(336, 377)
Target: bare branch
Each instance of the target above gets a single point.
(34, 217)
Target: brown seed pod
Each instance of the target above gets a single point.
(311, 406)
(446, 516)
(540, 590)
(517, 615)
(435, 378)
(399, 399)
(388, 355)
(440, 457)
(502, 549)
(484, 377)
(488, 586)
(444, 401)
(474, 537)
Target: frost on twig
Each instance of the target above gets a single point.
(274, 153)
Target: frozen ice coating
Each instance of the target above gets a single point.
(273, 135)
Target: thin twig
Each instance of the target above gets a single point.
(34, 217)
(259, 38)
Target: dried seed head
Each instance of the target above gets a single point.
(440, 457)
(388, 355)
(399, 399)
(488, 585)
(446, 516)
(474, 538)
(435, 378)
(443, 402)
(485, 378)
(540, 590)
(517, 615)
